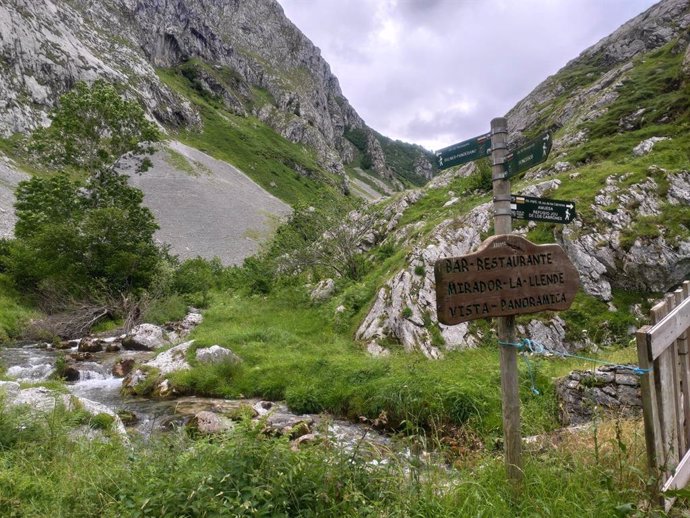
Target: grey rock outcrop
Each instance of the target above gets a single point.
(645, 147)
(174, 359)
(611, 60)
(209, 423)
(10, 177)
(323, 290)
(405, 308)
(41, 400)
(216, 354)
(607, 391)
(145, 337)
(649, 263)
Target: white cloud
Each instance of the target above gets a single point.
(435, 72)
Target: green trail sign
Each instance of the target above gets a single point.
(541, 209)
(528, 155)
(463, 152)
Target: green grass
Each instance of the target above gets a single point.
(15, 311)
(299, 352)
(46, 471)
(180, 162)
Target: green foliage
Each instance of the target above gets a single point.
(80, 238)
(215, 379)
(195, 278)
(168, 308)
(655, 83)
(74, 237)
(402, 158)
(321, 240)
(15, 310)
(358, 138)
(47, 471)
(92, 127)
(101, 421)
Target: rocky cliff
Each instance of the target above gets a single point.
(245, 53)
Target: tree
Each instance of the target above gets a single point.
(326, 239)
(83, 237)
(91, 128)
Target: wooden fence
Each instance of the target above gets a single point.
(663, 349)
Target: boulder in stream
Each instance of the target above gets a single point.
(41, 400)
(90, 344)
(145, 337)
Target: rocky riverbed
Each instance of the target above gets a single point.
(95, 367)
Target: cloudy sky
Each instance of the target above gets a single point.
(435, 72)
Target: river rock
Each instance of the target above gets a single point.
(611, 391)
(41, 400)
(292, 425)
(174, 359)
(71, 373)
(188, 406)
(113, 347)
(145, 337)
(9, 389)
(216, 354)
(90, 344)
(123, 367)
(81, 356)
(208, 423)
(192, 319)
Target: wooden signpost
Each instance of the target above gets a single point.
(508, 275)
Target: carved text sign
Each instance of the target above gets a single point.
(507, 275)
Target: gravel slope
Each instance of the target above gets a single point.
(206, 207)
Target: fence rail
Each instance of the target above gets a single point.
(663, 349)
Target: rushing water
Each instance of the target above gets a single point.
(36, 362)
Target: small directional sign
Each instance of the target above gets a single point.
(463, 152)
(528, 155)
(541, 209)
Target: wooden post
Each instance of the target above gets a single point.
(512, 440)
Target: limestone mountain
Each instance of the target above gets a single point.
(619, 115)
(193, 61)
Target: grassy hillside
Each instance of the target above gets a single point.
(285, 169)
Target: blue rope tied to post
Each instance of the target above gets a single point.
(531, 346)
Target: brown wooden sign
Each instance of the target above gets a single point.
(507, 275)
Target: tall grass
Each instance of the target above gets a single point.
(48, 470)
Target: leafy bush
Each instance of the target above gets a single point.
(195, 278)
(92, 127)
(77, 238)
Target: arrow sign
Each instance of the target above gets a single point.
(463, 152)
(528, 155)
(541, 209)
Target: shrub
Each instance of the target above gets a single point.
(196, 277)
